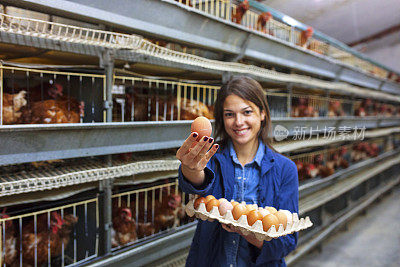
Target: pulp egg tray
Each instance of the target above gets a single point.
(257, 228)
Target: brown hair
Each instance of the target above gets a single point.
(250, 90)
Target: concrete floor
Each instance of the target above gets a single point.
(371, 240)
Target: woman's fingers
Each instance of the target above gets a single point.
(185, 148)
(202, 153)
(208, 155)
(228, 228)
(195, 151)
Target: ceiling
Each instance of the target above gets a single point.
(369, 24)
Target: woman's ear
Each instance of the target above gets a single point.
(263, 115)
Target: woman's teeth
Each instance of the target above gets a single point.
(241, 132)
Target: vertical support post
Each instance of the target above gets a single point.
(107, 62)
(105, 186)
(328, 94)
(289, 99)
(1, 94)
(105, 214)
(226, 76)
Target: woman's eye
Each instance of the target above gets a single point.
(248, 112)
(228, 114)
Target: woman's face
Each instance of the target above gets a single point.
(242, 120)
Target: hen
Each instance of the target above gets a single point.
(9, 241)
(262, 20)
(305, 37)
(335, 109)
(238, 13)
(124, 227)
(168, 212)
(37, 245)
(53, 111)
(12, 105)
(141, 107)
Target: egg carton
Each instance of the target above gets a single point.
(293, 225)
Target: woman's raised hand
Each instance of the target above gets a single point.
(194, 154)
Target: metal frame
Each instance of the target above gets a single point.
(139, 20)
(181, 240)
(139, 50)
(27, 143)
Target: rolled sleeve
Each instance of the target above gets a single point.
(288, 199)
(203, 189)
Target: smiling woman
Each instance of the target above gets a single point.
(246, 168)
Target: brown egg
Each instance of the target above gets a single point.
(234, 203)
(263, 212)
(270, 220)
(282, 218)
(198, 201)
(238, 211)
(224, 206)
(250, 207)
(253, 216)
(202, 126)
(209, 197)
(222, 200)
(272, 210)
(211, 204)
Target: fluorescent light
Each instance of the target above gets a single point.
(290, 21)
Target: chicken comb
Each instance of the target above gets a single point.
(128, 211)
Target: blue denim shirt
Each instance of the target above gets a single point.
(278, 187)
(247, 179)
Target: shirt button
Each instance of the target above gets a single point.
(234, 242)
(231, 265)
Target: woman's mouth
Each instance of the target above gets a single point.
(241, 132)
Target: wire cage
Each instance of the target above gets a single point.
(140, 99)
(152, 208)
(242, 14)
(304, 105)
(61, 236)
(323, 163)
(37, 96)
(278, 104)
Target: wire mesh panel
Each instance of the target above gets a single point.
(277, 103)
(61, 236)
(241, 13)
(137, 99)
(146, 211)
(323, 163)
(57, 31)
(32, 96)
(316, 106)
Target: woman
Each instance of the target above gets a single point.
(246, 168)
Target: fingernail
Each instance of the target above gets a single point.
(205, 138)
(216, 146)
(211, 140)
(194, 135)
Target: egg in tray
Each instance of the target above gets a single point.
(265, 223)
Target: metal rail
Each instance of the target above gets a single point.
(179, 241)
(138, 20)
(21, 143)
(333, 226)
(147, 52)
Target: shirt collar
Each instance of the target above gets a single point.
(258, 158)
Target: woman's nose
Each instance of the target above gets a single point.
(239, 119)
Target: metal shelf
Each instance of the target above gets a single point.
(181, 239)
(333, 225)
(149, 18)
(27, 143)
(320, 197)
(135, 49)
